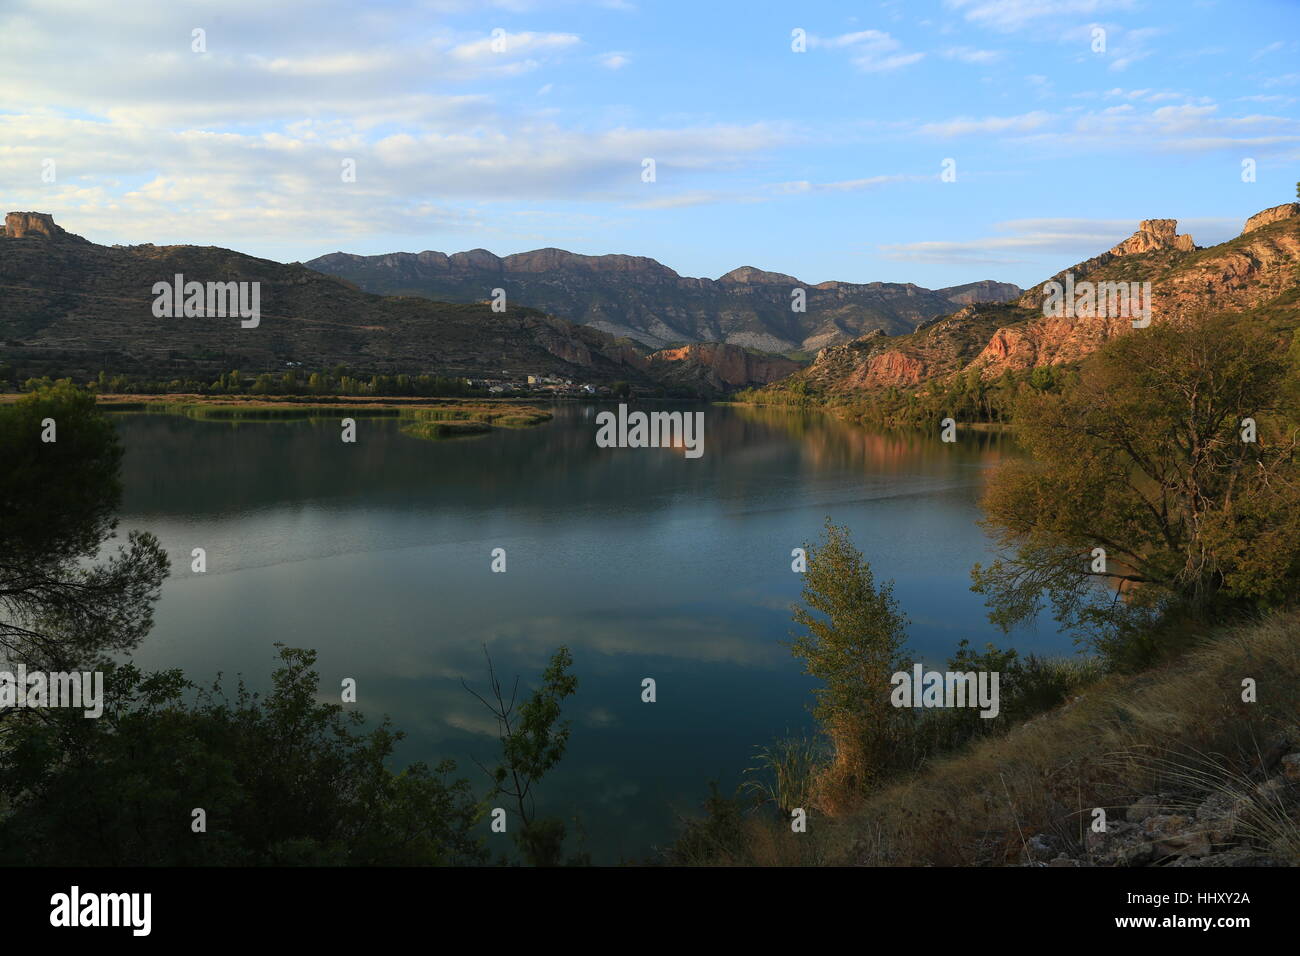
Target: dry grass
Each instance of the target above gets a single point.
(1180, 729)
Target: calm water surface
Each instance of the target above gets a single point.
(645, 563)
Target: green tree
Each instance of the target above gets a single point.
(59, 605)
(533, 739)
(283, 780)
(1144, 457)
(852, 640)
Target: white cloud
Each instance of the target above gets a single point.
(846, 185)
(187, 185)
(1010, 15)
(1271, 48)
(154, 142)
(1056, 243)
(966, 126)
(489, 50)
(966, 54)
(871, 51)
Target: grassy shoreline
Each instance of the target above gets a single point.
(851, 413)
(1161, 752)
(423, 418)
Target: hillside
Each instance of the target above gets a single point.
(70, 306)
(1256, 271)
(1186, 773)
(644, 300)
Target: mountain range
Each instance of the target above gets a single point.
(71, 306)
(641, 299)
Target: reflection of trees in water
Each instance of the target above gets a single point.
(175, 466)
(282, 780)
(831, 443)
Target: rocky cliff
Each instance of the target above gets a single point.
(1257, 271)
(33, 225)
(1153, 234)
(1269, 216)
(714, 366)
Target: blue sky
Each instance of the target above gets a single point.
(824, 164)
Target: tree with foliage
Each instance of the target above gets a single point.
(282, 780)
(852, 639)
(58, 502)
(1149, 456)
(533, 739)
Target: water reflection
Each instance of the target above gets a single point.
(645, 563)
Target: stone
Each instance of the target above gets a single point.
(1218, 815)
(1139, 854)
(1154, 234)
(1234, 856)
(1148, 806)
(1040, 847)
(1269, 216)
(1291, 767)
(1271, 788)
(1193, 843)
(32, 225)
(1165, 823)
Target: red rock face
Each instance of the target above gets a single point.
(1255, 270)
(724, 366)
(22, 225)
(1154, 234)
(1269, 216)
(1049, 341)
(1237, 276)
(891, 368)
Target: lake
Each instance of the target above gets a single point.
(643, 562)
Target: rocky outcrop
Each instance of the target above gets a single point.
(33, 225)
(748, 275)
(938, 348)
(1287, 210)
(1154, 234)
(986, 290)
(718, 366)
(1257, 270)
(1213, 828)
(554, 260)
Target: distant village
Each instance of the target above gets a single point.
(550, 384)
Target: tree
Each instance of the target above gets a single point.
(1146, 457)
(282, 780)
(1045, 378)
(532, 742)
(58, 499)
(852, 640)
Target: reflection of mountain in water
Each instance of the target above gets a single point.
(175, 466)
